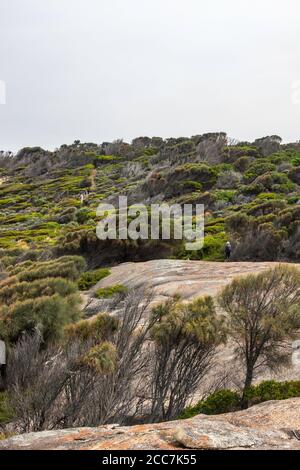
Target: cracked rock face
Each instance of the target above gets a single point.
(271, 425)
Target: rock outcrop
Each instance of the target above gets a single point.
(270, 425)
(186, 278)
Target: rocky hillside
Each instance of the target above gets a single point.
(48, 200)
(271, 425)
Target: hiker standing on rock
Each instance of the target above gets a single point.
(228, 250)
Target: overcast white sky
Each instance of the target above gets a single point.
(98, 70)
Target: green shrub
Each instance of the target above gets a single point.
(200, 172)
(274, 181)
(69, 267)
(225, 195)
(49, 313)
(107, 292)
(271, 390)
(102, 358)
(258, 168)
(222, 401)
(233, 153)
(90, 278)
(226, 401)
(249, 189)
(213, 248)
(20, 291)
(192, 185)
(99, 328)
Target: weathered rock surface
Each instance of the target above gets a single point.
(187, 278)
(272, 425)
(169, 277)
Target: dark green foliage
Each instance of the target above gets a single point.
(200, 172)
(221, 401)
(258, 168)
(90, 278)
(272, 390)
(226, 401)
(213, 248)
(274, 181)
(242, 163)
(233, 153)
(294, 174)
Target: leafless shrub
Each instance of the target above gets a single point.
(57, 387)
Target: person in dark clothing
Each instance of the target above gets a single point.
(228, 250)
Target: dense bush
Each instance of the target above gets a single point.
(20, 291)
(40, 294)
(232, 153)
(69, 267)
(277, 182)
(221, 401)
(100, 328)
(90, 278)
(294, 174)
(226, 401)
(204, 174)
(213, 248)
(242, 164)
(258, 168)
(49, 313)
(272, 390)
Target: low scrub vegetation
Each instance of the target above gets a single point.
(50, 202)
(40, 294)
(227, 401)
(107, 292)
(90, 278)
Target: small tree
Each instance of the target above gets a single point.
(185, 339)
(263, 315)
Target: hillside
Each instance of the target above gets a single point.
(250, 192)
